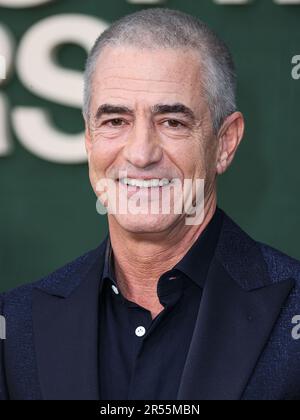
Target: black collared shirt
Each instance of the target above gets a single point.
(141, 358)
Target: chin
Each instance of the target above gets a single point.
(146, 223)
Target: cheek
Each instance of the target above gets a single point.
(198, 159)
(206, 151)
(190, 158)
(102, 156)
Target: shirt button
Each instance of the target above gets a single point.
(140, 331)
(115, 289)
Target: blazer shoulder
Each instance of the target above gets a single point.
(280, 265)
(252, 263)
(59, 282)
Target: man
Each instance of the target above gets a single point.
(164, 308)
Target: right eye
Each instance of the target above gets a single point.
(115, 122)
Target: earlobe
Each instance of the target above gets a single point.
(230, 136)
(222, 163)
(222, 152)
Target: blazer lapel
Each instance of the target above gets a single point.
(238, 310)
(65, 320)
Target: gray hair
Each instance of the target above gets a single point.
(165, 28)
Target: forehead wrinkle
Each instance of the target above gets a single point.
(119, 98)
(135, 79)
(139, 90)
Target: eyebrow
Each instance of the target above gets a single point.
(158, 109)
(112, 109)
(177, 108)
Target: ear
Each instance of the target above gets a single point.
(229, 138)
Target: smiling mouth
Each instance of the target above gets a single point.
(145, 183)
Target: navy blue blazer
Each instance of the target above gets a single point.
(242, 347)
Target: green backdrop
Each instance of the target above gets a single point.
(47, 212)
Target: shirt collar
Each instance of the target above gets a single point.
(196, 261)
(108, 269)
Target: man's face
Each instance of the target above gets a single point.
(150, 119)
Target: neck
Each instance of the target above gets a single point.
(140, 260)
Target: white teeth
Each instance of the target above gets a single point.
(130, 182)
(163, 182)
(145, 183)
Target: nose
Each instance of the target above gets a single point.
(143, 147)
